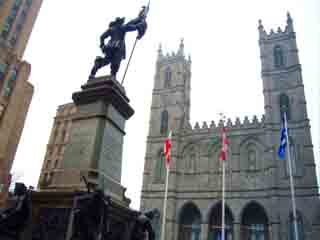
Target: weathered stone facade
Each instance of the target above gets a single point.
(258, 200)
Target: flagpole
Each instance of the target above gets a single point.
(223, 208)
(291, 180)
(133, 48)
(165, 205)
(125, 72)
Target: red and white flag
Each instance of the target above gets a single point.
(225, 143)
(167, 150)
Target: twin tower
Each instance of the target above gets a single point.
(258, 202)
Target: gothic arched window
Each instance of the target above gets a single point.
(293, 157)
(291, 231)
(190, 223)
(284, 105)
(278, 56)
(254, 223)
(215, 232)
(160, 172)
(167, 77)
(155, 222)
(164, 122)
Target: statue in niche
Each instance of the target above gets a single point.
(13, 220)
(192, 161)
(252, 158)
(115, 50)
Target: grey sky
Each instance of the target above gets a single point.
(221, 37)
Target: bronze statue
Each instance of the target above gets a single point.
(115, 50)
(143, 226)
(91, 215)
(14, 219)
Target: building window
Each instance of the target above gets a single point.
(20, 23)
(190, 223)
(13, 40)
(164, 122)
(56, 163)
(8, 88)
(29, 3)
(10, 19)
(293, 157)
(55, 133)
(59, 150)
(215, 223)
(63, 136)
(278, 56)
(284, 105)
(48, 165)
(155, 222)
(3, 68)
(49, 151)
(254, 223)
(167, 77)
(291, 231)
(160, 171)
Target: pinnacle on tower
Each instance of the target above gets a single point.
(160, 54)
(261, 28)
(181, 48)
(289, 22)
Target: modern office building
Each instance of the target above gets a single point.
(17, 18)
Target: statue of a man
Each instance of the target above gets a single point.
(115, 50)
(13, 220)
(143, 226)
(90, 216)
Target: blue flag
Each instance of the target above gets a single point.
(283, 143)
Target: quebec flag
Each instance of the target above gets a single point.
(283, 143)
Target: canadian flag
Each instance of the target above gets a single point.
(167, 150)
(225, 143)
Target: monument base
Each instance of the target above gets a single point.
(96, 140)
(52, 216)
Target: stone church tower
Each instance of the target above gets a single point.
(258, 200)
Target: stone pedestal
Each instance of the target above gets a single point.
(96, 139)
(94, 151)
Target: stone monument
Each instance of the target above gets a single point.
(96, 138)
(95, 208)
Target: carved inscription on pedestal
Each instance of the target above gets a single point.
(111, 152)
(79, 151)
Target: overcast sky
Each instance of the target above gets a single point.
(221, 37)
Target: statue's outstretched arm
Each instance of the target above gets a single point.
(130, 27)
(140, 26)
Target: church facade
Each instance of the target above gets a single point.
(258, 200)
